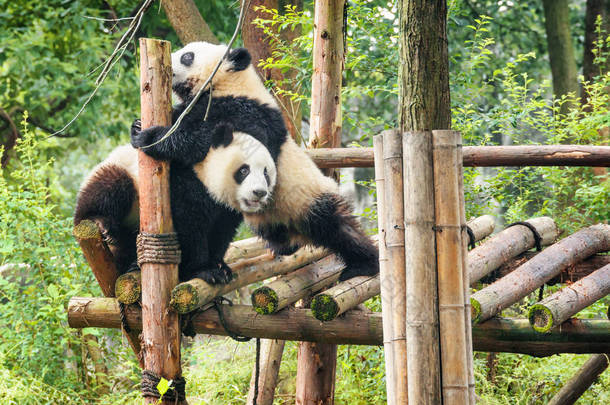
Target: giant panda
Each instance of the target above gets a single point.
(205, 222)
(306, 207)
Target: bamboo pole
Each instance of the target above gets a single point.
(270, 360)
(354, 327)
(288, 289)
(422, 327)
(385, 275)
(454, 353)
(544, 266)
(483, 156)
(104, 269)
(395, 252)
(485, 226)
(161, 331)
(581, 381)
(507, 244)
(195, 293)
(559, 307)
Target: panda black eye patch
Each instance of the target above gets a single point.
(267, 177)
(187, 59)
(241, 173)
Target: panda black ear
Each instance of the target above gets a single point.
(222, 135)
(240, 58)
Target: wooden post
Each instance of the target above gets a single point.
(271, 358)
(422, 328)
(385, 275)
(559, 307)
(161, 332)
(449, 249)
(317, 362)
(581, 381)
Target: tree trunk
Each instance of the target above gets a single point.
(188, 23)
(261, 48)
(594, 9)
(561, 49)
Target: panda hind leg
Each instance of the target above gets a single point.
(331, 224)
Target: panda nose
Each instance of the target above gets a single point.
(260, 193)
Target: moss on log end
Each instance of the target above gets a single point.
(87, 229)
(264, 300)
(541, 318)
(324, 307)
(127, 287)
(475, 308)
(184, 298)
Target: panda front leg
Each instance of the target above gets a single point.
(278, 239)
(331, 224)
(220, 236)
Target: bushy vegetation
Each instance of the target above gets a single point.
(501, 94)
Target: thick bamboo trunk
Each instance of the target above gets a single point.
(449, 249)
(395, 253)
(104, 268)
(193, 294)
(188, 23)
(385, 276)
(559, 307)
(483, 156)
(544, 266)
(346, 295)
(354, 327)
(422, 327)
(581, 381)
(161, 330)
(270, 360)
(287, 290)
(507, 244)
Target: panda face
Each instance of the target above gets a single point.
(238, 171)
(193, 64)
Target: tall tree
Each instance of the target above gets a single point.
(595, 9)
(560, 48)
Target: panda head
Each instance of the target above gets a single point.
(238, 171)
(193, 64)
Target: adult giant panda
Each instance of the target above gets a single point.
(205, 222)
(306, 207)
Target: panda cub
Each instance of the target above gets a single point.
(306, 207)
(205, 218)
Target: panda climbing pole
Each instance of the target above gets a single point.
(158, 250)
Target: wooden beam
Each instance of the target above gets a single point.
(483, 156)
(354, 327)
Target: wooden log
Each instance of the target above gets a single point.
(507, 244)
(270, 360)
(559, 307)
(161, 331)
(128, 287)
(395, 253)
(449, 249)
(422, 328)
(288, 289)
(354, 327)
(104, 268)
(581, 381)
(385, 275)
(481, 227)
(346, 295)
(245, 249)
(544, 266)
(483, 156)
(195, 293)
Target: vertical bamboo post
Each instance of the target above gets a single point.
(449, 249)
(465, 272)
(317, 361)
(395, 250)
(160, 329)
(423, 357)
(385, 277)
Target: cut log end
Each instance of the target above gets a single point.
(541, 318)
(324, 307)
(87, 229)
(265, 300)
(184, 298)
(127, 288)
(475, 311)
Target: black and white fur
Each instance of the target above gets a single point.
(306, 207)
(205, 222)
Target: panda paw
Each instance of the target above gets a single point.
(217, 275)
(141, 138)
(359, 270)
(282, 250)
